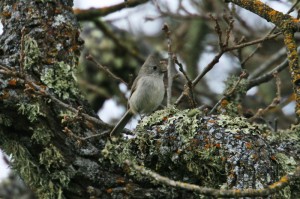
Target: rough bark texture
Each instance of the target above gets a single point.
(40, 47)
(40, 42)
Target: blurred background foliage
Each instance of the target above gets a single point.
(117, 43)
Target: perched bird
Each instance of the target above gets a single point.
(147, 91)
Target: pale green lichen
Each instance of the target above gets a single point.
(31, 52)
(157, 117)
(49, 189)
(240, 88)
(235, 90)
(238, 124)
(46, 184)
(60, 78)
(51, 157)
(32, 111)
(288, 164)
(41, 135)
(184, 120)
(29, 170)
(292, 136)
(62, 177)
(22, 164)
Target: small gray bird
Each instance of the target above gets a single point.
(147, 91)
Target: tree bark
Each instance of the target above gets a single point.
(40, 47)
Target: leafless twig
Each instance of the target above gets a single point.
(110, 34)
(268, 63)
(268, 76)
(105, 69)
(171, 67)
(223, 49)
(267, 35)
(189, 83)
(201, 75)
(82, 139)
(274, 102)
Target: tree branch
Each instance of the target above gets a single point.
(84, 15)
(271, 189)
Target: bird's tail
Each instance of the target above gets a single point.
(121, 124)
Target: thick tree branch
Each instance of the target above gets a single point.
(282, 21)
(83, 15)
(230, 150)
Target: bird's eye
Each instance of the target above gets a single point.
(154, 67)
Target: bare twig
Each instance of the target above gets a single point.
(268, 76)
(5, 68)
(82, 139)
(250, 55)
(67, 106)
(171, 67)
(218, 31)
(182, 70)
(271, 189)
(230, 22)
(94, 88)
(178, 15)
(250, 43)
(268, 63)
(288, 26)
(274, 102)
(223, 48)
(293, 6)
(96, 135)
(211, 64)
(105, 69)
(109, 33)
(201, 75)
(189, 84)
(268, 13)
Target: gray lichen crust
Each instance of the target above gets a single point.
(214, 151)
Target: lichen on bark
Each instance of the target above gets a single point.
(213, 151)
(36, 38)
